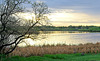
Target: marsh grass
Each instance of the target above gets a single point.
(58, 49)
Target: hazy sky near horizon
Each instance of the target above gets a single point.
(73, 12)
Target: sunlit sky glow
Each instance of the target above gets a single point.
(26, 16)
(72, 12)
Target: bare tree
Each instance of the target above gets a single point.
(39, 9)
(9, 23)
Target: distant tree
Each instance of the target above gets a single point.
(10, 21)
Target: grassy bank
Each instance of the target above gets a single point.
(56, 57)
(82, 52)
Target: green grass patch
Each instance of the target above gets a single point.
(55, 57)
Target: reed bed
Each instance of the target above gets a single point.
(58, 49)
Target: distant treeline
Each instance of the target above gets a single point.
(59, 28)
(72, 28)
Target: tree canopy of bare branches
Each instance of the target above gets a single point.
(9, 22)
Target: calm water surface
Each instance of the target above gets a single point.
(66, 37)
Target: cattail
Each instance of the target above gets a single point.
(58, 49)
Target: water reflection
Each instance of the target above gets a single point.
(51, 32)
(65, 37)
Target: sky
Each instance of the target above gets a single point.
(73, 12)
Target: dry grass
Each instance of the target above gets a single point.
(59, 49)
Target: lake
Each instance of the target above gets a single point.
(64, 37)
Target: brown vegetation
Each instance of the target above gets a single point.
(59, 49)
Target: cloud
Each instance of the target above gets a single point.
(76, 12)
(84, 6)
(71, 16)
(55, 10)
